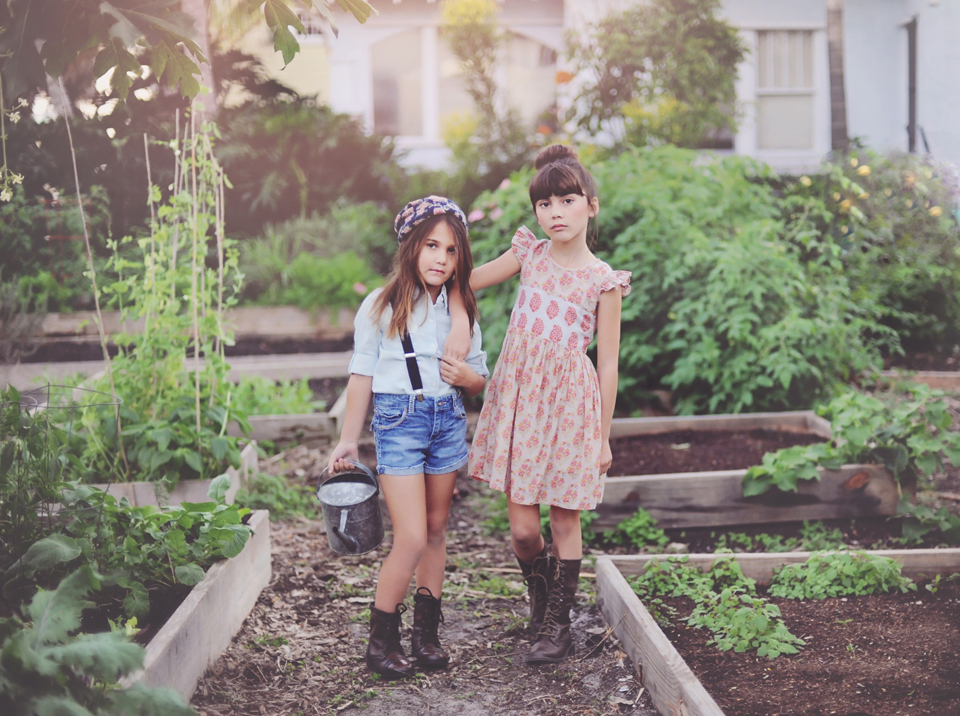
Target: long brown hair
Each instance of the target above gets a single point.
(405, 286)
(559, 172)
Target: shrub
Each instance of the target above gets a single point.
(275, 493)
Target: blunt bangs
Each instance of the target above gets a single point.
(555, 180)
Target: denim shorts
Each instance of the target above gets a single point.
(428, 436)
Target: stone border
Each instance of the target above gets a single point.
(205, 623)
(714, 498)
(674, 688)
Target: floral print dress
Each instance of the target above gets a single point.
(538, 438)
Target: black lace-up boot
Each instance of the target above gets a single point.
(425, 646)
(537, 576)
(384, 654)
(554, 640)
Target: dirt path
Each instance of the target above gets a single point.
(301, 649)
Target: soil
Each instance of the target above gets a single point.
(301, 649)
(327, 389)
(688, 451)
(885, 655)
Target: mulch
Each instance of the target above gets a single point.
(884, 655)
(301, 649)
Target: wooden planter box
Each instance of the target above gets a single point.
(150, 493)
(205, 623)
(296, 428)
(942, 379)
(674, 688)
(713, 498)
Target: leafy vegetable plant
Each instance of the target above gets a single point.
(839, 574)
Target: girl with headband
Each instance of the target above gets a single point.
(419, 422)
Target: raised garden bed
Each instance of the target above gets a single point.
(704, 498)
(304, 427)
(675, 689)
(151, 493)
(939, 379)
(203, 626)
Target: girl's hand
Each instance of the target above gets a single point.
(457, 373)
(606, 457)
(457, 345)
(341, 456)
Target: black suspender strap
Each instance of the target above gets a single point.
(413, 370)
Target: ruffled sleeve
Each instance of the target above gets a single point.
(617, 279)
(523, 241)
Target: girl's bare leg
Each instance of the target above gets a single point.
(433, 561)
(525, 530)
(407, 504)
(565, 526)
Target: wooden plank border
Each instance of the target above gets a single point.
(205, 623)
(149, 493)
(942, 379)
(674, 688)
(715, 498)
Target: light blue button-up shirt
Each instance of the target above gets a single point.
(376, 355)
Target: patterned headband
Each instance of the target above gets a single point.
(419, 210)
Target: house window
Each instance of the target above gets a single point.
(398, 85)
(785, 89)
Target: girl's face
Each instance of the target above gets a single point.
(565, 218)
(438, 258)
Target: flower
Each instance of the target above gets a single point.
(805, 180)
(935, 211)
(909, 203)
(854, 161)
(360, 288)
(504, 184)
(496, 213)
(864, 195)
(475, 215)
(888, 192)
(845, 205)
(6, 195)
(563, 77)
(864, 170)
(14, 117)
(836, 196)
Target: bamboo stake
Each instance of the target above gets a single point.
(93, 272)
(196, 324)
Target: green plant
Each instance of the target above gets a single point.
(908, 433)
(256, 395)
(275, 493)
(142, 551)
(664, 71)
(314, 282)
(640, 530)
(839, 574)
(45, 668)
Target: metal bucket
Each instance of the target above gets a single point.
(351, 509)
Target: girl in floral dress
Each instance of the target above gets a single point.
(544, 432)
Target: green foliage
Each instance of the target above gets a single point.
(814, 536)
(726, 309)
(275, 493)
(665, 70)
(256, 395)
(142, 551)
(639, 530)
(314, 282)
(46, 669)
(890, 222)
(172, 423)
(725, 603)
(909, 434)
(839, 574)
(297, 158)
(920, 519)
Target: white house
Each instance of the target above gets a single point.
(398, 75)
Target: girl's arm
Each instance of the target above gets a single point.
(359, 390)
(493, 272)
(608, 357)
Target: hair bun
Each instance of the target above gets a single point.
(555, 153)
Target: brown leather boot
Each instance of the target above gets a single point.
(425, 645)
(537, 575)
(384, 654)
(554, 640)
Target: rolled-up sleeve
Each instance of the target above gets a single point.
(366, 339)
(477, 358)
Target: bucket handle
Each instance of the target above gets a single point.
(359, 467)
